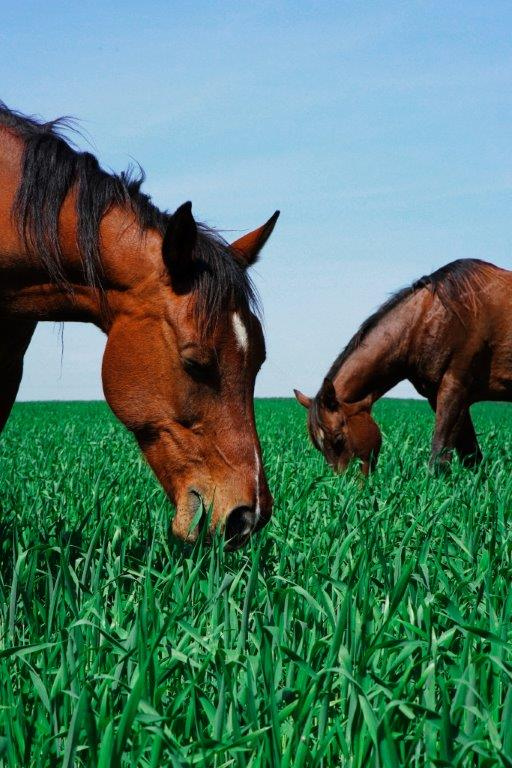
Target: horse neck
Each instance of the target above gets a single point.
(381, 359)
(129, 258)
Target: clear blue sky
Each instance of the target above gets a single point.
(382, 130)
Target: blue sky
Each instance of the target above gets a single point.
(382, 130)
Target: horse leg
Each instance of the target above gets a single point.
(466, 443)
(15, 337)
(451, 414)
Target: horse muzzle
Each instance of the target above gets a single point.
(237, 525)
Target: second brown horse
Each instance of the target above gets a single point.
(450, 335)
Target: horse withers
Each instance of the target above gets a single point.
(184, 340)
(449, 335)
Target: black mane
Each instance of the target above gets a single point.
(51, 167)
(453, 282)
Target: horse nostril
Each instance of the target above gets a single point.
(239, 525)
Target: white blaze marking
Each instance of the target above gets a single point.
(242, 340)
(240, 332)
(257, 510)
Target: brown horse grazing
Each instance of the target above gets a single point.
(450, 335)
(175, 300)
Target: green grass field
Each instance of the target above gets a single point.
(367, 625)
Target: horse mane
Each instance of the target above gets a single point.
(456, 282)
(52, 166)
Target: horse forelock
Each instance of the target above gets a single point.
(52, 166)
(220, 284)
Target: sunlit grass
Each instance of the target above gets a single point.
(368, 625)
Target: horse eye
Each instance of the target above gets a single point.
(191, 365)
(201, 370)
(186, 422)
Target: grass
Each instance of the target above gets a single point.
(368, 625)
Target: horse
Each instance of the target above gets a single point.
(175, 300)
(449, 335)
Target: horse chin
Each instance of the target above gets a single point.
(340, 466)
(238, 542)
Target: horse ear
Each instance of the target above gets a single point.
(302, 399)
(179, 240)
(353, 409)
(328, 395)
(247, 248)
